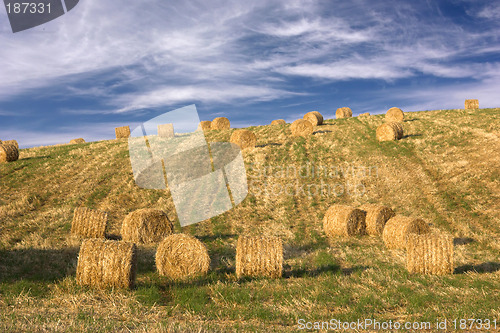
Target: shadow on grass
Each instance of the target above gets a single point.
(35, 158)
(322, 131)
(413, 119)
(411, 136)
(210, 238)
(485, 267)
(269, 144)
(325, 269)
(114, 237)
(462, 240)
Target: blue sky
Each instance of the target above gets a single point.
(113, 63)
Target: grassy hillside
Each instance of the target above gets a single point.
(445, 170)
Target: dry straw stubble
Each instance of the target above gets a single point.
(398, 229)
(278, 122)
(342, 220)
(181, 256)
(394, 114)
(343, 112)
(376, 218)
(391, 131)
(146, 226)
(77, 141)
(301, 127)
(106, 263)
(205, 125)
(314, 117)
(166, 131)
(258, 256)
(8, 153)
(89, 223)
(430, 253)
(220, 123)
(243, 138)
(122, 132)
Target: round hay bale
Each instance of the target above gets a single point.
(344, 112)
(301, 127)
(389, 132)
(122, 132)
(221, 123)
(205, 125)
(181, 256)
(243, 138)
(430, 253)
(471, 104)
(342, 220)
(398, 228)
(106, 263)
(11, 142)
(376, 218)
(394, 114)
(8, 153)
(89, 223)
(278, 122)
(314, 117)
(259, 256)
(77, 141)
(146, 226)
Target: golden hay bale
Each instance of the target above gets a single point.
(344, 112)
(205, 125)
(399, 129)
(376, 217)
(398, 228)
(259, 256)
(8, 153)
(243, 138)
(301, 127)
(122, 132)
(11, 142)
(0, 142)
(367, 114)
(106, 263)
(342, 220)
(389, 132)
(278, 122)
(314, 117)
(166, 131)
(394, 114)
(77, 141)
(89, 223)
(430, 253)
(146, 226)
(471, 104)
(181, 256)
(221, 123)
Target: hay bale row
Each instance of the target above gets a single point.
(166, 131)
(181, 256)
(376, 218)
(89, 223)
(398, 229)
(394, 115)
(106, 263)
(314, 117)
(430, 253)
(259, 256)
(301, 127)
(220, 123)
(122, 132)
(391, 131)
(342, 220)
(344, 112)
(77, 141)
(8, 153)
(11, 142)
(205, 125)
(471, 104)
(278, 122)
(244, 138)
(146, 226)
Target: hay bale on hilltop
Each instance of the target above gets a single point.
(8, 153)
(77, 141)
(278, 122)
(181, 256)
(430, 253)
(389, 131)
(376, 218)
(89, 223)
(106, 263)
(205, 125)
(11, 142)
(471, 104)
(259, 256)
(314, 117)
(166, 131)
(344, 112)
(146, 226)
(220, 123)
(398, 229)
(342, 220)
(394, 114)
(122, 132)
(301, 127)
(243, 138)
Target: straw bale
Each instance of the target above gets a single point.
(398, 228)
(89, 223)
(376, 218)
(146, 226)
(259, 256)
(342, 220)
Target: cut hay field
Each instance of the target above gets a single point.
(445, 170)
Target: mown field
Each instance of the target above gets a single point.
(446, 170)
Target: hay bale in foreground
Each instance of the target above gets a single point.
(342, 220)
(122, 132)
(77, 141)
(220, 123)
(389, 131)
(259, 256)
(166, 131)
(471, 104)
(11, 142)
(146, 226)
(106, 263)
(344, 112)
(89, 223)
(398, 229)
(243, 138)
(8, 153)
(205, 125)
(181, 256)
(301, 127)
(278, 122)
(394, 114)
(430, 253)
(376, 218)
(314, 117)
